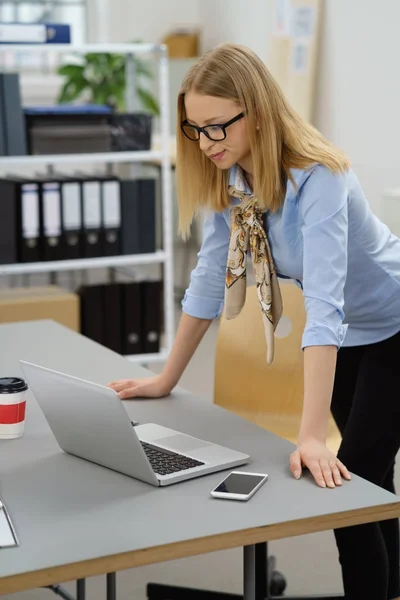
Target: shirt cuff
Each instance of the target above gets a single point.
(201, 308)
(321, 334)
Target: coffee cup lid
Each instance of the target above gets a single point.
(12, 385)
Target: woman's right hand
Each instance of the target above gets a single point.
(148, 387)
(190, 332)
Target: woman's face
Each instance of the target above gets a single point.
(204, 110)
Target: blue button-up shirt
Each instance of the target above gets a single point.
(328, 241)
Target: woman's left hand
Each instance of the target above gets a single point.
(325, 467)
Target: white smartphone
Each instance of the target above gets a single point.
(239, 485)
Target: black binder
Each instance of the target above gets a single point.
(112, 317)
(26, 194)
(71, 216)
(27, 232)
(92, 316)
(130, 216)
(111, 216)
(91, 217)
(147, 216)
(151, 315)
(30, 247)
(131, 310)
(9, 222)
(50, 218)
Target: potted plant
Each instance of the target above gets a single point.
(101, 78)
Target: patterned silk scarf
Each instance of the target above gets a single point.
(247, 233)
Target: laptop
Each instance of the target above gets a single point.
(89, 420)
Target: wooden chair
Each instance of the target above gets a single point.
(269, 395)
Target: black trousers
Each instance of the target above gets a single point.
(366, 408)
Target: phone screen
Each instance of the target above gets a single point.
(239, 483)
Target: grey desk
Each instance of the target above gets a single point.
(75, 519)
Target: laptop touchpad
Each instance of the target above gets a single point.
(181, 442)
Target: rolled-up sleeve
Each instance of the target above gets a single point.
(324, 212)
(204, 297)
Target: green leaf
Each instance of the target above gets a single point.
(101, 95)
(148, 101)
(142, 68)
(72, 90)
(93, 57)
(119, 95)
(72, 71)
(104, 75)
(118, 77)
(116, 61)
(67, 93)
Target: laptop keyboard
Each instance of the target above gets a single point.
(165, 462)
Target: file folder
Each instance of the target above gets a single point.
(130, 216)
(92, 318)
(71, 219)
(35, 33)
(112, 317)
(8, 536)
(111, 216)
(147, 216)
(71, 216)
(91, 217)
(9, 222)
(50, 219)
(131, 310)
(26, 229)
(151, 315)
(29, 230)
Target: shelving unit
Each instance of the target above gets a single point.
(83, 263)
(163, 256)
(65, 159)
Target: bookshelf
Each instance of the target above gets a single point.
(161, 156)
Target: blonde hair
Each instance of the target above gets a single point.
(284, 140)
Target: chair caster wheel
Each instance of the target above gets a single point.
(278, 584)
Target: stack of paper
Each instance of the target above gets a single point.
(8, 538)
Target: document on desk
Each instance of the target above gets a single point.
(8, 538)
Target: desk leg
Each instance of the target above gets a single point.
(255, 572)
(111, 586)
(81, 589)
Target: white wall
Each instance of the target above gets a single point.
(358, 92)
(150, 20)
(238, 21)
(359, 89)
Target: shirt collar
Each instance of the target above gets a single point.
(300, 176)
(238, 180)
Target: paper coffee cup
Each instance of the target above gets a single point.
(12, 407)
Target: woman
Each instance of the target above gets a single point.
(270, 183)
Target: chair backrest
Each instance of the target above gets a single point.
(244, 382)
(269, 395)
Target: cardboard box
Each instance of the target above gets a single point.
(182, 44)
(44, 302)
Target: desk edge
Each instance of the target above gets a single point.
(178, 550)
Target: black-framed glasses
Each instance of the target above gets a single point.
(215, 133)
